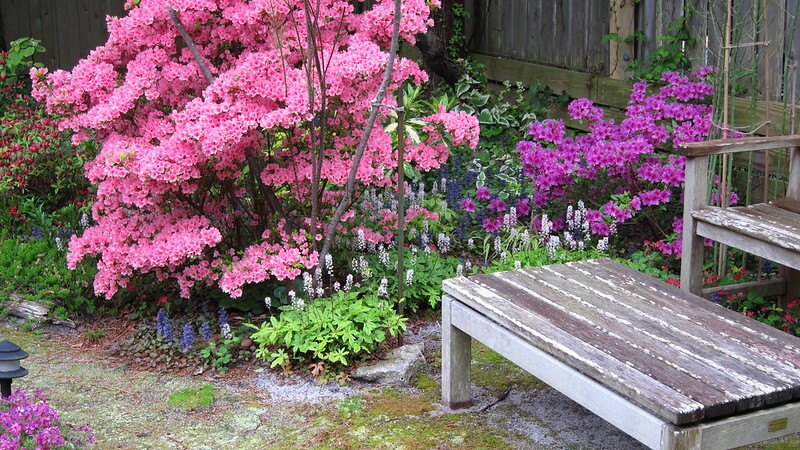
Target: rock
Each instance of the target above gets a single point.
(29, 310)
(397, 368)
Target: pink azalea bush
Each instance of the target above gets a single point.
(211, 183)
(616, 168)
(28, 421)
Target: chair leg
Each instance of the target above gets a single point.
(792, 285)
(456, 359)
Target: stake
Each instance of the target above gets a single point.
(401, 207)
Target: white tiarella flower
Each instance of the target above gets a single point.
(383, 256)
(602, 244)
(409, 276)
(443, 241)
(517, 265)
(383, 287)
(225, 331)
(552, 246)
(361, 242)
(308, 283)
(459, 270)
(348, 282)
(329, 264)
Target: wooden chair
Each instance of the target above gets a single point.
(769, 230)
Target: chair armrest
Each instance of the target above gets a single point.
(720, 146)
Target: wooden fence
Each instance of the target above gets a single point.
(68, 29)
(560, 42)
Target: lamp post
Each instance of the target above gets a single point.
(10, 356)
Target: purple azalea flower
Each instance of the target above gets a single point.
(468, 205)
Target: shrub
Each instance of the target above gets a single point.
(226, 177)
(36, 270)
(36, 158)
(616, 168)
(335, 330)
(28, 421)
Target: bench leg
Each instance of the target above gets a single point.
(792, 284)
(456, 359)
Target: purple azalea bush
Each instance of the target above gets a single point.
(617, 168)
(28, 421)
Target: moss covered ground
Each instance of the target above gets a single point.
(141, 410)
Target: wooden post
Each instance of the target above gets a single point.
(456, 361)
(621, 23)
(792, 191)
(401, 206)
(694, 197)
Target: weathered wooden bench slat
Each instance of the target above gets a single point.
(643, 334)
(688, 373)
(657, 397)
(682, 345)
(612, 338)
(754, 223)
(776, 211)
(788, 204)
(712, 321)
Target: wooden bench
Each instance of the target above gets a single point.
(770, 230)
(671, 369)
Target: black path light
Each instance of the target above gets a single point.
(10, 356)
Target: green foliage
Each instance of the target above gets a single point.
(457, 45)
(334, 330)
(36, 270)
(192, 398)
(428, 268)
(95, 334)
(18, 59)
(539, 257)
(221, 354)
(670, 56)
(652, 262)
(505, 114)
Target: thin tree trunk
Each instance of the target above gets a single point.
(362, 145)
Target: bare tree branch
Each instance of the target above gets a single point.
(362, 145)
(190, 43)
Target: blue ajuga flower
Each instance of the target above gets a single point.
(205, 331)
(164, 326)
(187, 339)
(223, 317)
(37, 233)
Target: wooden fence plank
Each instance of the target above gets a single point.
(621, 23)
(602, 90)
(16, 21)
(68, 37)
